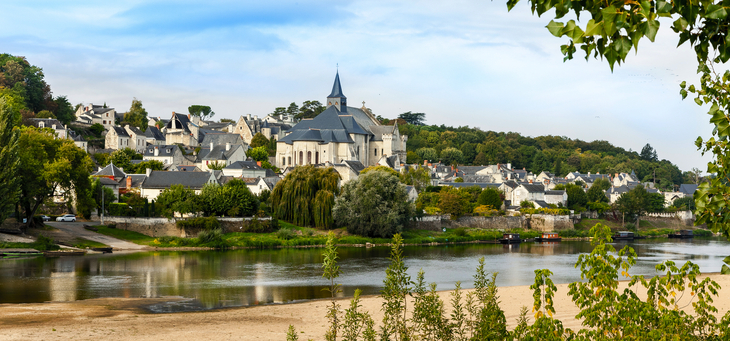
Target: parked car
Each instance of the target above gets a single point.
(66, 217)
(45, 217)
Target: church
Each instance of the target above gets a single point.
(341, 133)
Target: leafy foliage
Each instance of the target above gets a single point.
(137, 115)
(259, 140)
(419, 177)
(415, 118)
(202, 111)
(293, 198)
(232, 199)
(9, 180)
(491, 197)
(374, 204)
(177, 200)
(258, 153)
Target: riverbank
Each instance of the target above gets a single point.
(127, 318)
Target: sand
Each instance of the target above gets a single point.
(124, 319)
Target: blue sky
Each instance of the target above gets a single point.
(460, 62)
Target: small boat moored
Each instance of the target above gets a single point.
(548, 237)
(682, 234)
(510, 238)
(60, 253)
(623, 235)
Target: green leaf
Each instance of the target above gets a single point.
(725, 270)
(572, 31)
(663, 8)
(651, 30)
(726, 260)
(594, 29)
(715, 12)
(680, 24)
(555, 28)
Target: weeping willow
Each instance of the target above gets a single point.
(306, 196)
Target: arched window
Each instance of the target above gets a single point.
(376, 152)
(309, 158)
(283, 161)
(301, 158)
(289, 159)
(316, 158)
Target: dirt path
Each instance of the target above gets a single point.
(77, 230)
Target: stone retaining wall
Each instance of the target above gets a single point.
(541, 222)
(163, 227)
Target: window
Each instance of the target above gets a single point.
(301, 158)
(283, 161)
(289, 159)
(376, 152)
(309, 158)
(316, 157)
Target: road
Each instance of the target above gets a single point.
(76, 229)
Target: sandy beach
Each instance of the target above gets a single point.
(125, 319)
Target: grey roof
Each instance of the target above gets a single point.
(511, 184)
(111, 170)
(244, 165)
(137, 180)
(108, 182)
(182, 119)
(327, 127)
(271, 174)
(356, 166)
(164, 150)
(337, 88)
(219, 138)
(187, 168)
(688, 189)
(219, 152)
(162, 179)
(134, 129)
(378, 132)
(533, 188)
(153, 133)
(79, 138)
(555, 192)
(468, 170)
(541, 203)
(469, 184)
(618, 190)
(120, 131)
(47, 122)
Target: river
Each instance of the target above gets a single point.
(217, 279)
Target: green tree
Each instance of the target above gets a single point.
(141, 168)
(259, 140)
(596, 192)
(655, 202)
(202, 111)
(576, 196)
(96, 129)
(648, 153)
(418, 178)
(122, 158)
(64, 111)
(491, 197)
(177, 200)
(9, 179)
(375, 204)
(258, 153)
(633, 204)
(429, 154)
(480, 160)
(380, 168)
(396, 288)
(137, 115)
(232, 199)
(45, 114)
(306, 196)
(50, 166)
(310, 109)
(101, 200)
(415, 118)
(215, 165)
(452, 156)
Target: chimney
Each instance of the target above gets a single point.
(530, 180)
(53, 126)
(211, 146)
(188, 116)
(228, 146)
(157, 151)
(129, 182)
(258, 163)
(589, 173)
(255, 117)
(148, 171)
(425, 162)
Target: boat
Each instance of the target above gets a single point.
(510, 238)
(548, 237)
(682, 234)
(623, 235)
(14, 253)
(102, 249)
(60, 253)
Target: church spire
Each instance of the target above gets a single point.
(336, 97)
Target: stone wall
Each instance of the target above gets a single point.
(163, 227)
(541, 222)
(549, 223)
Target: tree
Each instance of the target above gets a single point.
(420, 177)
(576, 196)
(258, 153)
(215, 165)
(380, 168)
(481, 160)
(50, 166)
(596, 194)
(375, 205)
(491, 197)
(306, 196)
(310, 109)
(452, 156)
(96, 129)
(259, 140)
(415, 118)
(633, 204)
(9, 179)
(202, 111)
(100, 201)
(177, 200)
(45, 114)
(122, 158)
(137, 115)
(428, 154)
(648, 153)
(64, 111)
(232, 199)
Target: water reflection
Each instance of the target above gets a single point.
(250, 277)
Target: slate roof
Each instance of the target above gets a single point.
(469, 170)
(219, 152)
(111, 170)
(337, 88)
(153, 133)
(327, 127)
(137, 180)
(164, 150)
(219, 138)
(555, 192)
(688, 189)
(120, 131)
(186, 168)
(541, 203)
(135, 130)
(469, 184)
(162, 179)
(180, 118)
(79, 138)
(108, 182)
(533, 188)
(244, 165)
(378, 132)
(47, 122)
(356, 166)
(511, 184)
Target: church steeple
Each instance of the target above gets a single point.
(337, 98)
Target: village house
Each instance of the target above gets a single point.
(245, 169)
(222, 154)
(248, 126)
(169, 155)
(137, 139)
(116, 138)
(154, 136)
(58, 127)
(93, 114)
(158, 181)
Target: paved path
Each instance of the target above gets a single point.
(77, 229)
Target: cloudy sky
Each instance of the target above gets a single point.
(460, 62)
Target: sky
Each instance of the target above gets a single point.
(463, 63)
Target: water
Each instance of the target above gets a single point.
(212, 279)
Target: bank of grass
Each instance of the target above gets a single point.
(41, 244)
(130, 236)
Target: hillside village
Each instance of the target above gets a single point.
(349, 139)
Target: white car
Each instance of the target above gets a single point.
(66, 217)
(45, 218)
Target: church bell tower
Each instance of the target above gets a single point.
(337, 98)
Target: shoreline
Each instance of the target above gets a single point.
(127, 319)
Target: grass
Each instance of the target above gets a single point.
(41, 244)
(130, 236)
(83, 243)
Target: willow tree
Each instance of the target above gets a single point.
(306, 196)
(9, 181)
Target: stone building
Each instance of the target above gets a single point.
(340, 133)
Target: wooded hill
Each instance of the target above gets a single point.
(557, 154)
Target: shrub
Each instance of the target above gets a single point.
(120, 210)
(285, 234)
(485, 211)
(200, 223)
(212, 238)
(459, 232)
(44, 243)
(432, 210)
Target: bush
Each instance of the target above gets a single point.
(459, 232)
(120, 210)
(432, 210)
(212, 238)
(200, 223)
(702, 233)
(44, 243)
(285, 234)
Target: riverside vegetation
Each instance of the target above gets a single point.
(679, 305)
